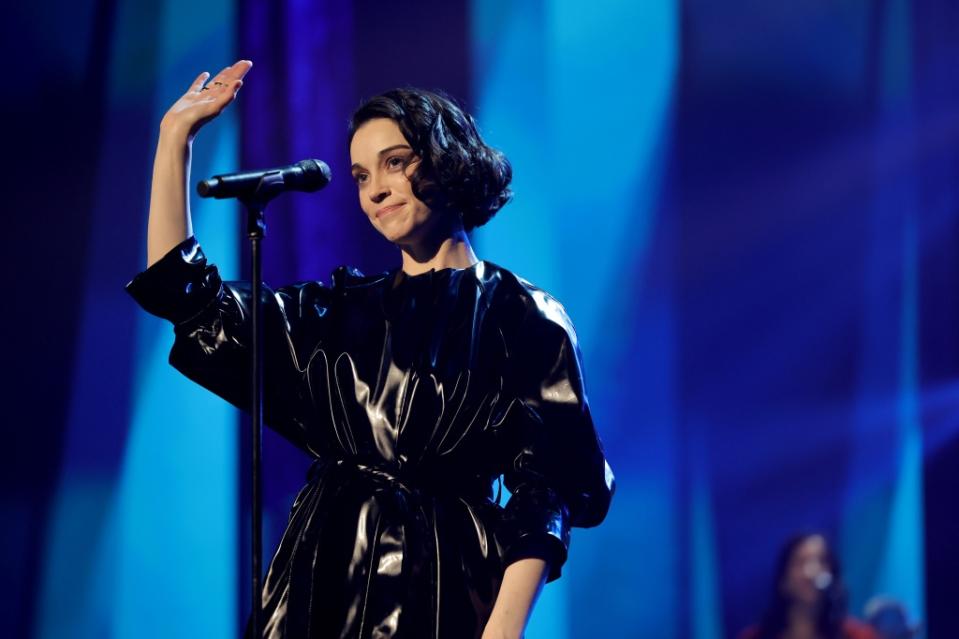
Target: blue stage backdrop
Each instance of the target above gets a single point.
(749, 212)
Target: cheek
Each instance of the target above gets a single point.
(420, 211)
(417, 203)
(795, 577)
(365, 205)
(402, 186)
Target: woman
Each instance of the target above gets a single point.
(412, 389)
(809, 597)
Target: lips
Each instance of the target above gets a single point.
(388, 209)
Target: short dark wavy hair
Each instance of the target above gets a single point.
(457, 171)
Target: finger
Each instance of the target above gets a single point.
(198, 83)
(241, 68)
(229, 91)
(225, 93)
(236, 71)
(219, 76)
(235, 89)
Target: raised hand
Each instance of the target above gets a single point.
(204, 100)
(170, 221)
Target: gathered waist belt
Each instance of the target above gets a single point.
(412, 483)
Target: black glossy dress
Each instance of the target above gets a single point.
(413, 394)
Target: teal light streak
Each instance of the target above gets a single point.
(578, 96)
(901, 569)
(149, 551)
(177, 505)
(706, 598)
(883, 536)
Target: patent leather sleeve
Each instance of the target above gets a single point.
(556, 468)
(212, 327)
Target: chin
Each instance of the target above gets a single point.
(400, 231)
(394, 236)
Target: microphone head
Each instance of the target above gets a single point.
(823, 580)
(312, 175)
(206, 188)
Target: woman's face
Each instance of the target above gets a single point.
(383, 162)
(808, 572)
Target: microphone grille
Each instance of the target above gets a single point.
(314, 175)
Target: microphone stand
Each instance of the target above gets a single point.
(308, 175)
(270, 186)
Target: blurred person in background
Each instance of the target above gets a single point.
(808, 599)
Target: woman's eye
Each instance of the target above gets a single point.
(395, 161)
(361, 177)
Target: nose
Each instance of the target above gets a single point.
(379, 191)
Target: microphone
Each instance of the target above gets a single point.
(823, 580)
(306, 175)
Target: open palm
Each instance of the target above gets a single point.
(204, 100)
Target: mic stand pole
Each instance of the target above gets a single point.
(269, 187)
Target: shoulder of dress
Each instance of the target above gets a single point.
(527, 303)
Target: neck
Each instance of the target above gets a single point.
(802, 621)
(448, 249)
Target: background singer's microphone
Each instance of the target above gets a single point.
(306, 175)
(823, 580)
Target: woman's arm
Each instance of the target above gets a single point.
(553, 461)
(522, 582)
(169, 222)
(211, 318)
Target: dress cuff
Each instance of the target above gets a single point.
(545, 546)
(536, 524)
(178, 286)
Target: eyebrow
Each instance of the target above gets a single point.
(357, 165)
